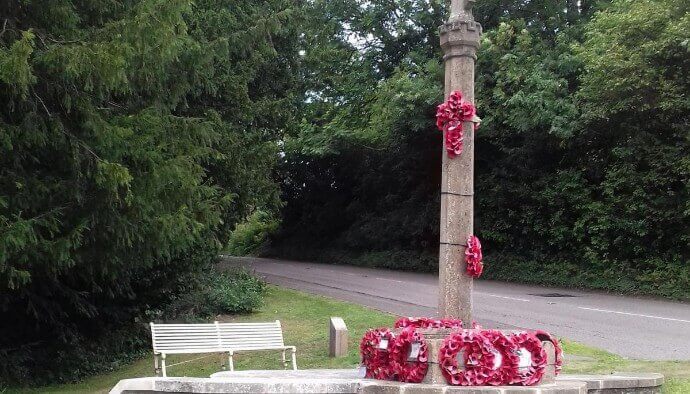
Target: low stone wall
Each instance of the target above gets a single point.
(346, 381)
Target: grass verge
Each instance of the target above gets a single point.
(304, 318)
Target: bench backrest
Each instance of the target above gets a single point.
(185, 338)
(215, 337)
(251, 336)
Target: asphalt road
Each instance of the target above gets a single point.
(639, 328)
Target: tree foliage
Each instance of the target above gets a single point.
(581, 159)
(134, 135)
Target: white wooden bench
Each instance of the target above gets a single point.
(231, 338)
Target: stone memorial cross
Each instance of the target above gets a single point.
(459, 41)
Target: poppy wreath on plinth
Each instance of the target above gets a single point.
(506, 361)
(478, 358)
(375, 359)
(425, 322)
(532, 358)
(545, 336)
(406, 369)
(449, 118)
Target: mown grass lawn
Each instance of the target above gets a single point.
(304, 318)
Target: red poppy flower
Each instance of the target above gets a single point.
(455, 100)
(468, 111)
(443, 116)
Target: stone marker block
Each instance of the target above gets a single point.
(337, 342)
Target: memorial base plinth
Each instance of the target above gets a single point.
(346, 381)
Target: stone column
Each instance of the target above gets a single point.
(459, 41)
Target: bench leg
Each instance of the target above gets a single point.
(294, 359)
(156, 370)
(165, 373)
(284, 360)
(231, 365)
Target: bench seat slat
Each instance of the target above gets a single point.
(195, 343)
(184, 346)
(250, 335)
(173, 326)
(223, 338)
(185, 327)
(250, 340)
(189, 351)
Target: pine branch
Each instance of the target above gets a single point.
(4, 27)
(80, 142)
(40, 100)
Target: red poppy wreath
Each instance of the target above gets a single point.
(532, 364)
(477, 359)
(374, 349)
(409, 356)
(506, 360)
(545, 336)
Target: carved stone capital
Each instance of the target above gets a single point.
(460, 38)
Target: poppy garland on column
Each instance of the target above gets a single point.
(473, 257)
(454, 138)
(375, 355)
(449, 118)
(409, 356)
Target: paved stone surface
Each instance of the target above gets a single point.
(346, 374)
(617, 381)
(346, 381)
(641, 328)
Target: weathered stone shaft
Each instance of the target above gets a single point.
(459, 40)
